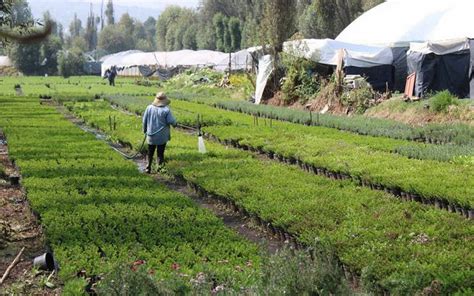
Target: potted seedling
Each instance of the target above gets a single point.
(18, 90)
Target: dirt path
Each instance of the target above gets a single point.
(19, 227)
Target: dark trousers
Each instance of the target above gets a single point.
(160, 151)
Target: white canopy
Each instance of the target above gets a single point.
(441, 48)
(201, 58)
(399, 22)
(325, 51)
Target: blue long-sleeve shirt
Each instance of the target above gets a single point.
(156, 124)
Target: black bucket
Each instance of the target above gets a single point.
(44, 262)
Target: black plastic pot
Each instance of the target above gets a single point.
(14, 180)
(44, 262)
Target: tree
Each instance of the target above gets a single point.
(172, 25)
(327, 18)
(79, 43)
(127, 24)
(25, 57)
(278, 23)
(220, 26)
(189, 38)
(61, 33)
(114, 39)
(75, 28)
(235, 34)
(150, 30)
(91, 31)
(17, 24)
(49, 55)
(71, 62)
(109, 13)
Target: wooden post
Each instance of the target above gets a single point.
(339, 72)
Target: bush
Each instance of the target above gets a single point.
(442, 100)
(70, 63)
(358, 100)
(300, 83)
(287, 272)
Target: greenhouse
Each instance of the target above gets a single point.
(441, 26)
(138, 63)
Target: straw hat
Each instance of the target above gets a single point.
(161, 100)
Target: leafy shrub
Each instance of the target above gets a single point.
(358, 99)
(287, 272)
(300, 83)
(70, 63)
(124, 280)
(442, 100)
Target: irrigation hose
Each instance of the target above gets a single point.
(136, 154)
(143, 143)
(187, 127)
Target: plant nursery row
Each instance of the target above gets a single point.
(460, 134)
(188, 113)
(98, 211)
(366, 159)
(430, 180)
(395, 246)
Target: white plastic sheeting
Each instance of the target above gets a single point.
(325, 51)
(442, 47)
(5, 61)
(240, 60)
(265, 69)
(399, 22)
(130, 60)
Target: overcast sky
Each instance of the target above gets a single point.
(148, 3)
(64, 10)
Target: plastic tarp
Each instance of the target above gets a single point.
(400, 67)
(471, 43)
(240, 60)
(441, 47)
(185, 58)
(441, 66)
(265, 69)
(398, 22)
(379, 77)
(325, 51)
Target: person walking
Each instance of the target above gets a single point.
(157, 120)
(111, 75)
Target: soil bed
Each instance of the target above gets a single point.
(19, 228)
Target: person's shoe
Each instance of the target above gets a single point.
(148, 170)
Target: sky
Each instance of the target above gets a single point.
(63, 10)
(148, 3)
